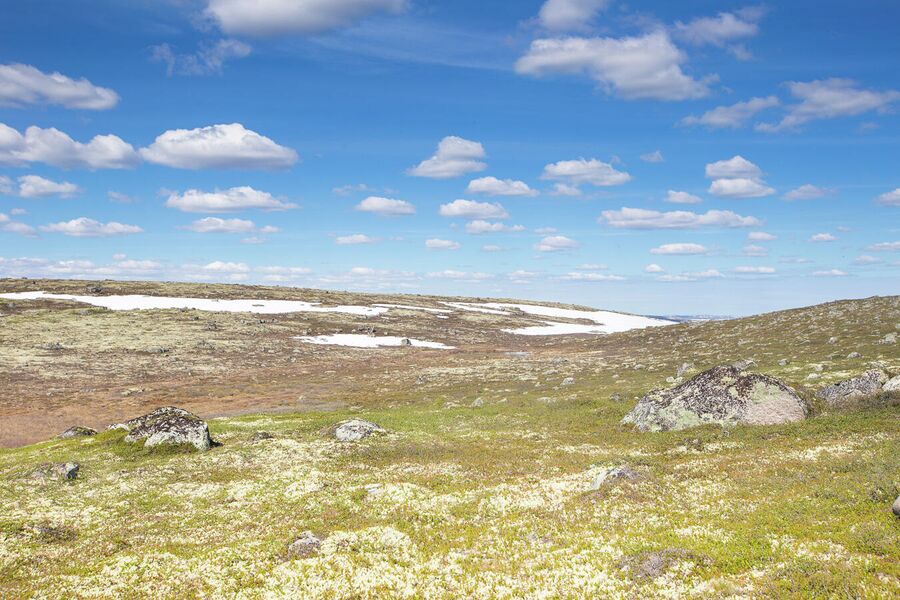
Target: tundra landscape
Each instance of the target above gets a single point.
(498, 465)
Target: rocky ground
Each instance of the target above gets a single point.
(503, 469)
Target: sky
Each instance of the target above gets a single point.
(654, 157)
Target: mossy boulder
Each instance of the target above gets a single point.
(845, 393)
(720, 396)
(168, 426)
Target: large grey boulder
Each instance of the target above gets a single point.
(168, 426)
(354, 430)
(846, 392)
(720, 396)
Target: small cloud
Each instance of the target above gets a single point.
(761, 236)
(575, 276)
(479, 226)
(120, 198)
(85, 227)
(654, 268)
(754, 250)
(438, 244)
(491, 248)
(555, 243)
(680, 249)
(500, 187)
(676, 197)
(822, 237)
(469, 209)
(564, 189)
(885, 247)
(866, 260)
(585, 171)
(829, 273)
(891, 198)
(386, 206)
(754, 270)
(455, 156)
(355, 239)
(346, 190)
(653, 157)
(807, 192)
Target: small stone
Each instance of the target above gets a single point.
(684, 368)
(405, 342)
(477, 403)
(77, 431)
(853, 355)
(304, 546)
(743, 364)
(889, 339)
(896, 506)
(650, 565)
(354, 430)
(58, 471)
(832, 340)
(568, 381)
(260, 436)
(615, 397)
(614, 474)
(670, 379)
(783, 362)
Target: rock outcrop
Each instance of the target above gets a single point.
(720, 396)
(848, 391)
(168, 426)
(77, 431)
(354, 430)
(893, 385)
(306, 545)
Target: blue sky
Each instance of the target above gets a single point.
(655, 157)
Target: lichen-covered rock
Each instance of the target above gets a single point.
(893, 385)
(304, 546)
(684, 368)
(168, 426)
(845, 392)
(622, 472)
(260, 436)
(650, 565)
(896, 506)
(744, 364)
(77, 431)
(354, 430)
(57, 471)
(720, 396)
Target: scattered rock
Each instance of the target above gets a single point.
(53, 346)
(168, 426)
(721, 396)
(684, 368)
(832, 340)
(52, 534)
(867, 384)
(783, 362)
(615, 397)
(638, 367)
(650, 565)
(477, 403)
(308, 544)
(568, 381)
(405, 342)
(896, 506)
(77, 431)
(889, 339)
(94, 289)
(853, 355)
(354, 430)
(622, 472)
(893, 385)
(260, 436)
(57, 471)
(817, 367)
(743, 364)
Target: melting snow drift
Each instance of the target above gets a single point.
(266, 307)
(605, 321)
(361, 340)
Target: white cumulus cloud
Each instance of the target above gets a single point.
(22, 85)
(227, 146)
(469, 209)
(480, 226)
(438, 244)
(218, 225)
(680, 249)
(570, 15)
(751, 270)
(807, 192)
(891, 198)
(221, 201)
(387, 207)
(654, 268)
(85, 227)
(829, 99)
(591, 171)
(555, 243)
(455, 156)
(676, 197)
(734, 116)
(642, 218)
(500, 187)
(760, 236)
(53, 147)
(34, 186)
(736, 166)
(354, 239)
(299, 17)
(640, 67)
(822, 237)
(740, 187)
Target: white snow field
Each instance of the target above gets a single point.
(265, 307)
(603, 321)
(361, 340)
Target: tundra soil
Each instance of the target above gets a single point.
(486, 484)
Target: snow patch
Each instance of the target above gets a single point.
(360, 340)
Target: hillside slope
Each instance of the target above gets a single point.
(486, 484)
